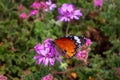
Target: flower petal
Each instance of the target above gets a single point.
(36, 57)
(52, 60)
(46, 61)
(39, 61)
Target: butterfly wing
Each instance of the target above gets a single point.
(65, 46)
(68, 46)
(80, 45)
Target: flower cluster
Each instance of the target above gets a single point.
(23, 15)
(46, 53)
(83, 54)
(3, 77)
(49, 77)
(98, 3)
(36, 5)
(68, 12)
(36, 8)
(88, 42)
(118, 72)
(50, 5)
(45, 6)
(33, 12)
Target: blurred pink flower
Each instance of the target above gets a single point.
(82, 55)
(48, 77)
(43, 6)
(23, 15)
(50, 5)
(118, 72)
(98, 3)
(3, 77)
(119, 53)
(118, 69)
(34, 12)
(88, 42)
(46, 53)
(35, 5)
(68, 12)
(21, 8)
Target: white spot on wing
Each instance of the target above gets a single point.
(77, 39)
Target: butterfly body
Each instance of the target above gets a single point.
(68, 46)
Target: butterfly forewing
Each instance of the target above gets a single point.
(66, 46)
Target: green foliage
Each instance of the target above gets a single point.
(18, 38)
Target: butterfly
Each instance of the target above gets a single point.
(68, 46)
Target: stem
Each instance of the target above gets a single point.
(67, 29)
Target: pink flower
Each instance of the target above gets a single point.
(50, 5)
(118, 72)
(98, 3)
(3, 77)
(88, 42)
(34, 12)
(68, 12)
(48, 77)
(82, 55)
(23, 15)
(118, 69)
(21, 8)
(35, 5)
(46, 53)
(43, 6)
(119, 53)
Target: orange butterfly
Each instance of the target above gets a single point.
(69, 46)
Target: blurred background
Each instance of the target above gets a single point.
(19, 35)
